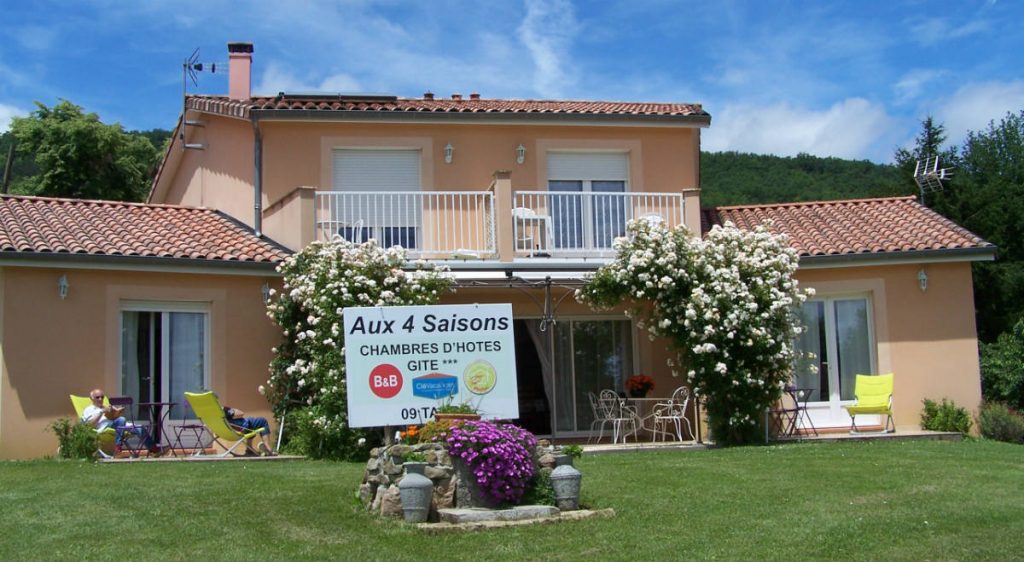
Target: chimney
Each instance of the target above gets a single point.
(428, 95)
(239, 71)
(457, 97)
(474, 96)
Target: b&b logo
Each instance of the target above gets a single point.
(385, 380)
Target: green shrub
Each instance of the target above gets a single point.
(77, 440)
(945, 417)
(574, 451)
(999, 422)
(1002, 368)
(540, 492)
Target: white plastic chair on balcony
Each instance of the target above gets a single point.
(670, 416)
(523, 216)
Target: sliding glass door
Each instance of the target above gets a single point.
(838, 345)
(164, 353)
(590, 355)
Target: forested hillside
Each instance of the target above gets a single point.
(733, 178)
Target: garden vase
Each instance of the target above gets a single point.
(416, 491)
(566, 480)
(468, 492)
(637, 393)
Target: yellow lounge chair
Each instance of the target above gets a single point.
(874, 396)
(107, 436)
(210, 412)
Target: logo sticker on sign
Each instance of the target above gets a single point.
(386, 381)
(435, 386)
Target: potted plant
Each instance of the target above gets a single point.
(463, 411)
(639, 385)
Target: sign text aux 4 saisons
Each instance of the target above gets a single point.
(403, 361)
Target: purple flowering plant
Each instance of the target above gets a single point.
(498, 455)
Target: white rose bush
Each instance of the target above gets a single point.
(307, 377)
(726, 303)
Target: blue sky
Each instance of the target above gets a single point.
(848, 79)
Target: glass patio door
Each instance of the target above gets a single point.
(589, 356)
(840, 344)
(164, 353)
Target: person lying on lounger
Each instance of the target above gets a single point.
(237, 418)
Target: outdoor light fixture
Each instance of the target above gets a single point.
(265, 290)
(922, 279)
(62, 287)
(520, 154)
(448, 151)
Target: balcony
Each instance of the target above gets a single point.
(492, 225)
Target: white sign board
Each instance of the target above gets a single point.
(402, 362)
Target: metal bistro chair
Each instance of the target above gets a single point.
(141, 432)
(618, 414)
(672, 412)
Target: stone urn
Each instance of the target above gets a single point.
(566, 480)
(416, 491)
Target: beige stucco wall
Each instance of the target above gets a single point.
(928, 339)
(53, 347)
(661, 159)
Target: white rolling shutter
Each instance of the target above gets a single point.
(376, 170)
(612, 166)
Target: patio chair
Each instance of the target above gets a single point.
(614, 411)
(599, 418)
(208, 409)
(140, 431)
(874, 396)
(107, 436)
(672, 412)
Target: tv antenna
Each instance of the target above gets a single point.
(929, 177)
(190, 70)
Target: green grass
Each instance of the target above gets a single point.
(852, 501)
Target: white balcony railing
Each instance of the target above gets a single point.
(575, 224)
(432, 224)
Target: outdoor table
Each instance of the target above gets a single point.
(800, 396)
(158, 413)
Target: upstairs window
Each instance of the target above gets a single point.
(584, 216)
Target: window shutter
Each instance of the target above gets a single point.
(612, 166)
(376, 170)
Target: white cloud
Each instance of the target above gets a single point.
(974, 105)
(932, 31)
(36, 38)
(911, 85)
(852, 128)
(276, 78)
(6, 113)
(548, 31)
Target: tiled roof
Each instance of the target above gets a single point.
(858, 226)
(241, 108)
(41, 225)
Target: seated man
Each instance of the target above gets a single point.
(99, 416)
(238, 419)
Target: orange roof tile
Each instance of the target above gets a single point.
(43, 225)
(856, 226)
(340, 103)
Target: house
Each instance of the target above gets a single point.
(521, 199)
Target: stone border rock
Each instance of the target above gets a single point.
(488, 525)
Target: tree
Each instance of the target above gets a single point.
(1002, 368)
(726, 305)
(76, 155)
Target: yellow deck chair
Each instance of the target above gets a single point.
(874, 396)
(210, 412)
(107, 436)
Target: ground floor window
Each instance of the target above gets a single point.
(164, 353)
(841, 342)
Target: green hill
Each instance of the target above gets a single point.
(734, 178)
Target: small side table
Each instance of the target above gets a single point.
(158, 413)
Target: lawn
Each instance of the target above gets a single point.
(910, 500)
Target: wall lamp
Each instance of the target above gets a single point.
(265, 291)
(922, 280)
(62, 286)
(520, 154)
(449, 150)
